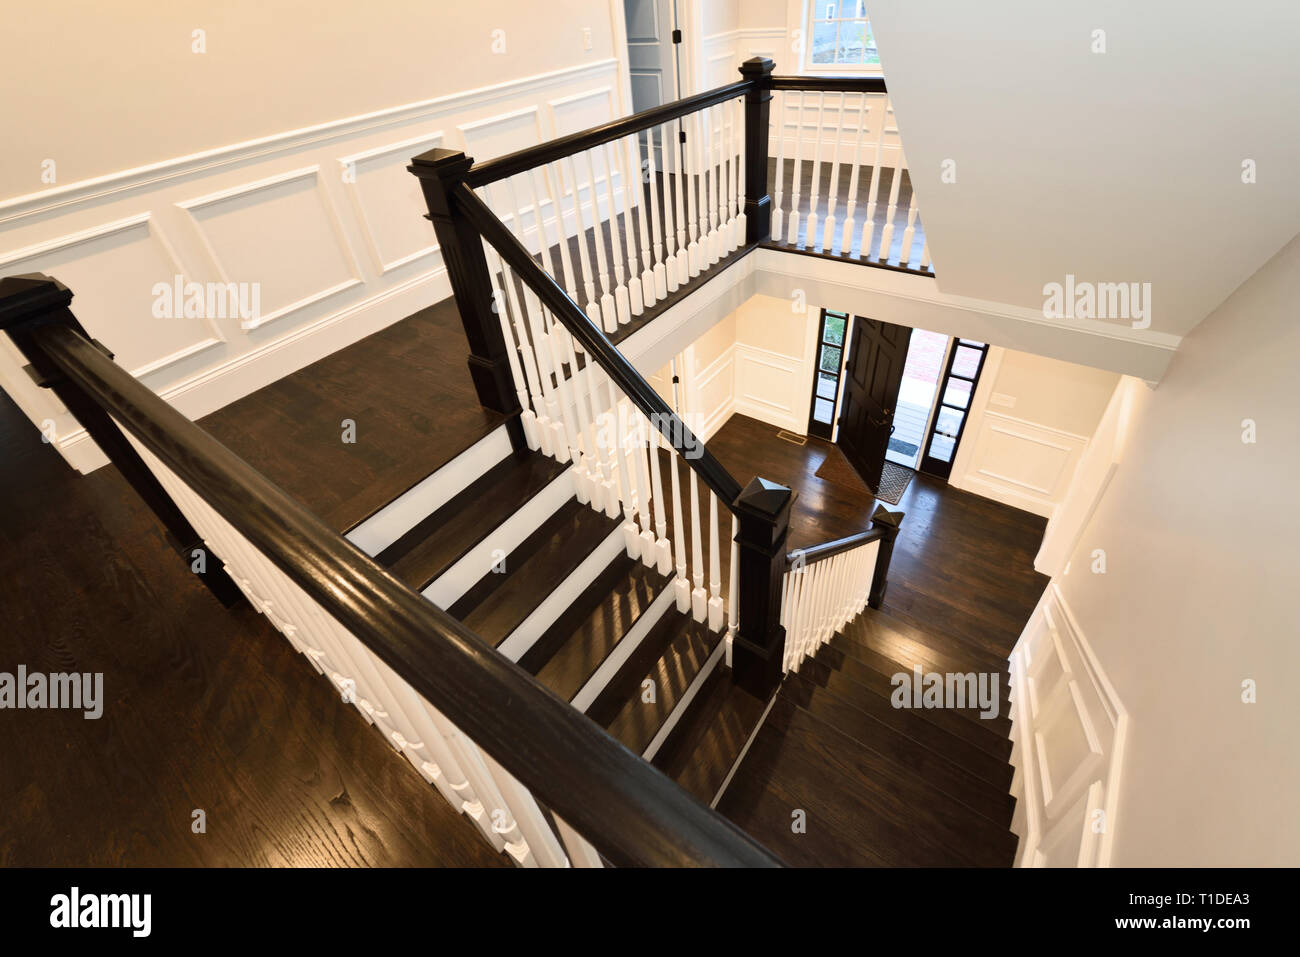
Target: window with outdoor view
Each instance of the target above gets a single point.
(841, 36)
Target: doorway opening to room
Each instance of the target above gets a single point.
(894, 399)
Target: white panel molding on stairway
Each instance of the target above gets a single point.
(325, 217)
(1068, 734)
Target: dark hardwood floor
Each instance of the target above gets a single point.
(963, 564)
(408, 390)
(204, 707)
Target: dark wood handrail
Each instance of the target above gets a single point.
(815, 553)
(594, 342)
(533, 156)
(821, 83)
(631, 812)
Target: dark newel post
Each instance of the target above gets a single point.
(763, 517)
(889, 522)
(758, 204)
(440, 171)
(29, 303)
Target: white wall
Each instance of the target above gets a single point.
(1122, 166)
(1030, 423)
(287, 104)
(1199, 532)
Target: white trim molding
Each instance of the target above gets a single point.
(1068, 733)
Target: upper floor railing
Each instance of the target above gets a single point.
(497, 744)
(557, 251)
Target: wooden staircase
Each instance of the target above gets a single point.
(878, 785)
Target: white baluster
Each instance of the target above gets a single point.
(812, 238)
(561, 445)
(617, 237)
(608, 310)
(693, 256)
(792, 234)
(642, 206)
(779, 106)
(675, 263)
(663, 550)
(584, 256)
(925, 255)
(708, 190)
(681, 586)
(699, 597)
(850, 214)
(715, 567)
(887, 234)
(640, 447)
(626, 480)
(832, 191)
(659, 277)
(909, 234)
(527, 418)
(738, 127)
(720, 187)
(557, 213)
(869, 227)
(609, 444)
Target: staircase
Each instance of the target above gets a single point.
(878, 785)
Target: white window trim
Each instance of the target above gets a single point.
(809, 9)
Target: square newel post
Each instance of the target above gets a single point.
(440, 172)
(35, 302)
(758, 204)
(889, 522)
(763, 520)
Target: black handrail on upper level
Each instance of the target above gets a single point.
(630, 812)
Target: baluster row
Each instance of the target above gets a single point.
(470, 779)
(818, 599)
(815, 142)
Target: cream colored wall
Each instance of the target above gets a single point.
(1200, 536)
(101, 87)
(1058, 394)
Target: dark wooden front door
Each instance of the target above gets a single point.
(877, 355)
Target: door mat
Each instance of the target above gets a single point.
(894, 479)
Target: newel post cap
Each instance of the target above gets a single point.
(22, 297)
(441, 163)
(757, 66)
(892, 521)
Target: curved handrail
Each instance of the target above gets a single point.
(629, 810)
(594, 342)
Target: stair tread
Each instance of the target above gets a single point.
(987, 767)
(901, 639)
(855, 799)
(710, 735)
(989, 736)
(566, 656)
(446, 535)
(906, 753)
(500, 601)
(671, 658)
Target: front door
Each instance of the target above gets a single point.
(872, 378)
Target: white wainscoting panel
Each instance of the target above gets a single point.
(1068, 734)
(772, 387)
(326, 218)
(1017, 462)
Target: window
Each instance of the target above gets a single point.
(965, 362)
(826, 383)
(841, 37)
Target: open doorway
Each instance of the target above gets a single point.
(926, 352)
(894, 399)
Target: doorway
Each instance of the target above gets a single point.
(652, 52)
(886, 393)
